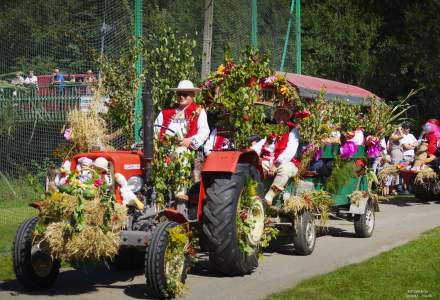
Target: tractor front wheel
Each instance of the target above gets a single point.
(34, 268)
(164, 274)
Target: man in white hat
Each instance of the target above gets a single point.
(277, 153)
(188, 121)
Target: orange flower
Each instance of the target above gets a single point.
(221, 70)
(284, 90)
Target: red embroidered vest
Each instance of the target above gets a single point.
(191, 117)
(280, 145)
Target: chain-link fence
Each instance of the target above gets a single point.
(43, 35)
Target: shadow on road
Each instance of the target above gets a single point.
(406, 200)
(75, 282)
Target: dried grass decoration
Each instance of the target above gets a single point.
(357, 196)
(316, 202)
(75, 229)
(428, 179)
(387, 171)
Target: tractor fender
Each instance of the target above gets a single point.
(224, 162)
(173, 215)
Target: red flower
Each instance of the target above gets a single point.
(98, 182)
(252, 81)
(167, 160)
(291, 124)
(359, 163)
(302, 114)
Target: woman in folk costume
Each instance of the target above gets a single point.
(277, 153)
(188, 121)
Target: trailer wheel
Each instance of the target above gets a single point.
(220, 222)
(304, 233)
(34, 268)
(157, 269)
(364, 223)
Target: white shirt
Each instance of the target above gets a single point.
(179, 126)
(408, 139)
(288, 154)
(209, 145)
(31, 80)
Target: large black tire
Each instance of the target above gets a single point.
(364, 223)
(34, 269)
(220, 222)
(155, 262)
(304, 233)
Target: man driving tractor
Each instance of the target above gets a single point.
(188, 121)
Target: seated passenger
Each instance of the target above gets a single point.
(277, 154)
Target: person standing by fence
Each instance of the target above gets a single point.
(58, 80)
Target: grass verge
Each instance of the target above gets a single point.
(408, 271)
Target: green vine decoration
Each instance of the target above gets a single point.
(175, 256)
(245, 224)
(171, 172)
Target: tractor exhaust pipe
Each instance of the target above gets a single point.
(147, 122)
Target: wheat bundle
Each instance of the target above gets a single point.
(425, 175)
(88, 130)
(357, 196)
(97, 239)
(293, 205)
(387, 171)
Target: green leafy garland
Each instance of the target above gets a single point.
(175, 255)
(342, 172)
(244, 223)
(170, 172)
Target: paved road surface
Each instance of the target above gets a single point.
(397, 223)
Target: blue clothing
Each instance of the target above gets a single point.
(60, 77)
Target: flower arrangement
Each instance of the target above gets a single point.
(236, 88)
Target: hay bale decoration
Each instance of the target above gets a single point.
(82, 221)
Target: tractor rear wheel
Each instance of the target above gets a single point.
(304, 233)
(158, 270)
(34, 268)
(220, 215)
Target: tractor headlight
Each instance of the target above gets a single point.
(135, 183)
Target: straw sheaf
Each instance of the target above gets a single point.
(88, 129)
(426, 176)
(390, 170)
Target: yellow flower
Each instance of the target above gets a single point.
(221, 70)
(284, 90)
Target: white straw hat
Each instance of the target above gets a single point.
(185, 86)
(101, 163)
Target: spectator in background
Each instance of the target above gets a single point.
(409, 143)
(18, 80)
(58, 79)
(31, 78)
(89, 80)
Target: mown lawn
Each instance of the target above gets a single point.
(15, 196)
(408, 271)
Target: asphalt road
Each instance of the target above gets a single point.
(397, 223)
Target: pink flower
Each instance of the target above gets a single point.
(270, 80)
(348, 149)
(68, 134)
(98, 182)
